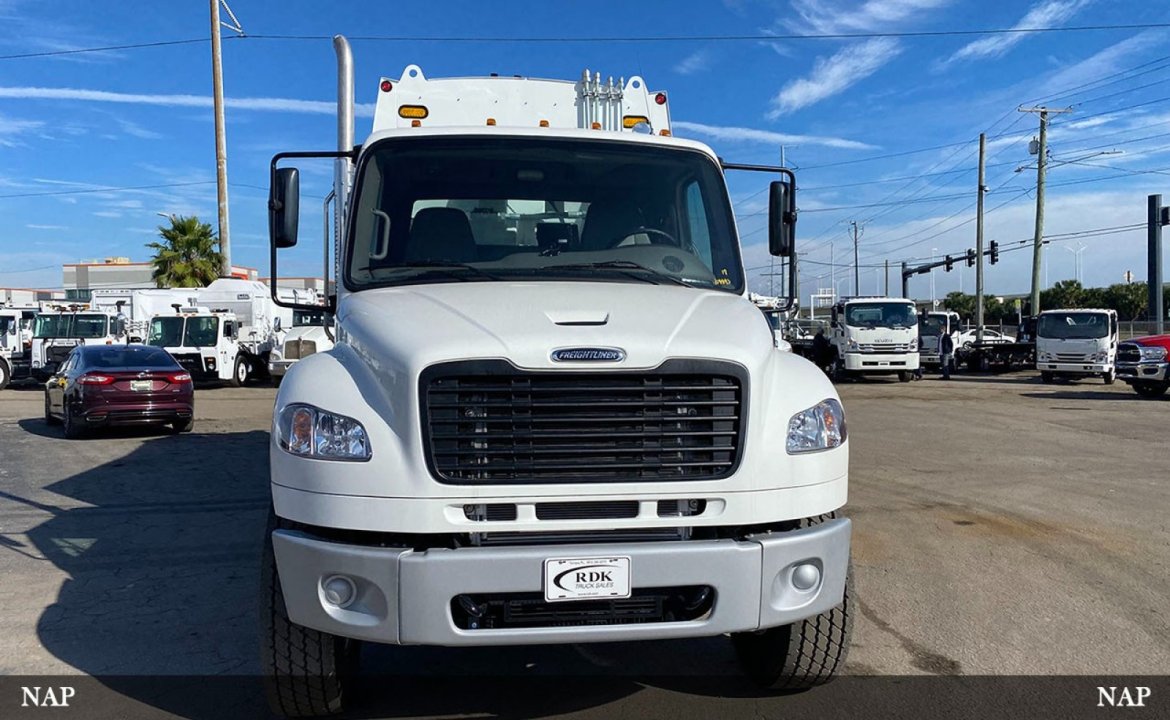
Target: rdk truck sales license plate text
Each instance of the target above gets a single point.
(586, 578)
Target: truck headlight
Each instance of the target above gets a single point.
(821, 427)
(853, 345)
(312, 432)
(1153, 353)
(1101, 356)
(275, 355)
(1044, 355)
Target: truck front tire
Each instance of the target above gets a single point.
(1151, 389)
(801, 655)
(240, 371)
(307, 673)
(5, 373)
(1109, 376)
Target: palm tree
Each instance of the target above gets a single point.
(188, 255)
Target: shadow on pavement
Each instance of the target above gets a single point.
(38, 426)
(1088, 394)
(163, 567)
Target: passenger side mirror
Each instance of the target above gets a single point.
(276, 324)
(284, 202)
(781, 219)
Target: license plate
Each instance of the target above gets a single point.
(586, 578)
(141, 385)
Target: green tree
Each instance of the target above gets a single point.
(1128, 299)
(188, 256)
(961, 303)
(1064, 294)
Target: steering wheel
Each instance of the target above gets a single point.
(663, 238)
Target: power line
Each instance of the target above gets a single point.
(719, 38)
(1099, 82)
(108, 189)
(134, 46)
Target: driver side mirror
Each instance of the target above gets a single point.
(284, 201)
(781, 219)
(276, 324)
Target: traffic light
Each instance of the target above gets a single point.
(950, 263)
(994, 252)
(970, 257)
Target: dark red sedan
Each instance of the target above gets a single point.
(100, 385)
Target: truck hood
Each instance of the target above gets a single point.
(405, 329)
(1152, 341)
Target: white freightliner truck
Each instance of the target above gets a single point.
(1077, 343)
(874, 336)
(552, 415)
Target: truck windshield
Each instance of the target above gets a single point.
(1073, 326)
(165, 331)
(201, 331)
(931, 326)
(306, 318)
(880, 314)
(478, 209)
(70, 325)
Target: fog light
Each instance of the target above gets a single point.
(806, 577)
(339, 591)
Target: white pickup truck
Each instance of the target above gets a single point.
(552, 414)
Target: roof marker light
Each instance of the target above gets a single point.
(544, 123)
(660, 98)
(416, 123)
(664, 133)
(413, 111)
(386, 86)
(596, 125)
(491, 121)
(629, 121)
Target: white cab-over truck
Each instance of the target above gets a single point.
(58, 329)
(1077, 343)
(552, 414)
(15, 343)
(931, 328)
(874, 336)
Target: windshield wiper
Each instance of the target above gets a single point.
(622, 265)
(442, 266)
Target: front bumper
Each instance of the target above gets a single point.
(277, 368)
(404, 596)
(880, 362)
(1151, 371)
(1074, 368)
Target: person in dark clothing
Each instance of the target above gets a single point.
(820, 349)
(946, 351)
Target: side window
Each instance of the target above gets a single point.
(227, 328)
(698, 227)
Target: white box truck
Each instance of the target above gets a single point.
(874, 336)
(552, 414)
(1077, 343)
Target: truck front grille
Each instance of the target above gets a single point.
(299, 349)
(646, 605)
(487, 422)
(1127, 353)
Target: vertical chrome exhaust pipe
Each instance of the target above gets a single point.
(343, 168)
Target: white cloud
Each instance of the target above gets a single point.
(766, 137)
(108, 214)
(33, 226)
(133, 129)
(273, 104)
(828, 17)
(1044, 14)
(11, 129)
(693, 63)
(835, 74)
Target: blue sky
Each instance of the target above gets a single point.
(142, 117)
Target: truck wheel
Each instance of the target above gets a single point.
(240, 372)
(1047, 378)
(905, 376)
(1151, 389)
(801, 655)
(1109, 376)
(306, 672)
(5, 374)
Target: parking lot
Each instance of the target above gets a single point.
(1002, 526)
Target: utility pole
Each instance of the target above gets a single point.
(982, 188)
(1041, 165)
(856, 271)
(1156, 217)
(887, 277)
(225, 246)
